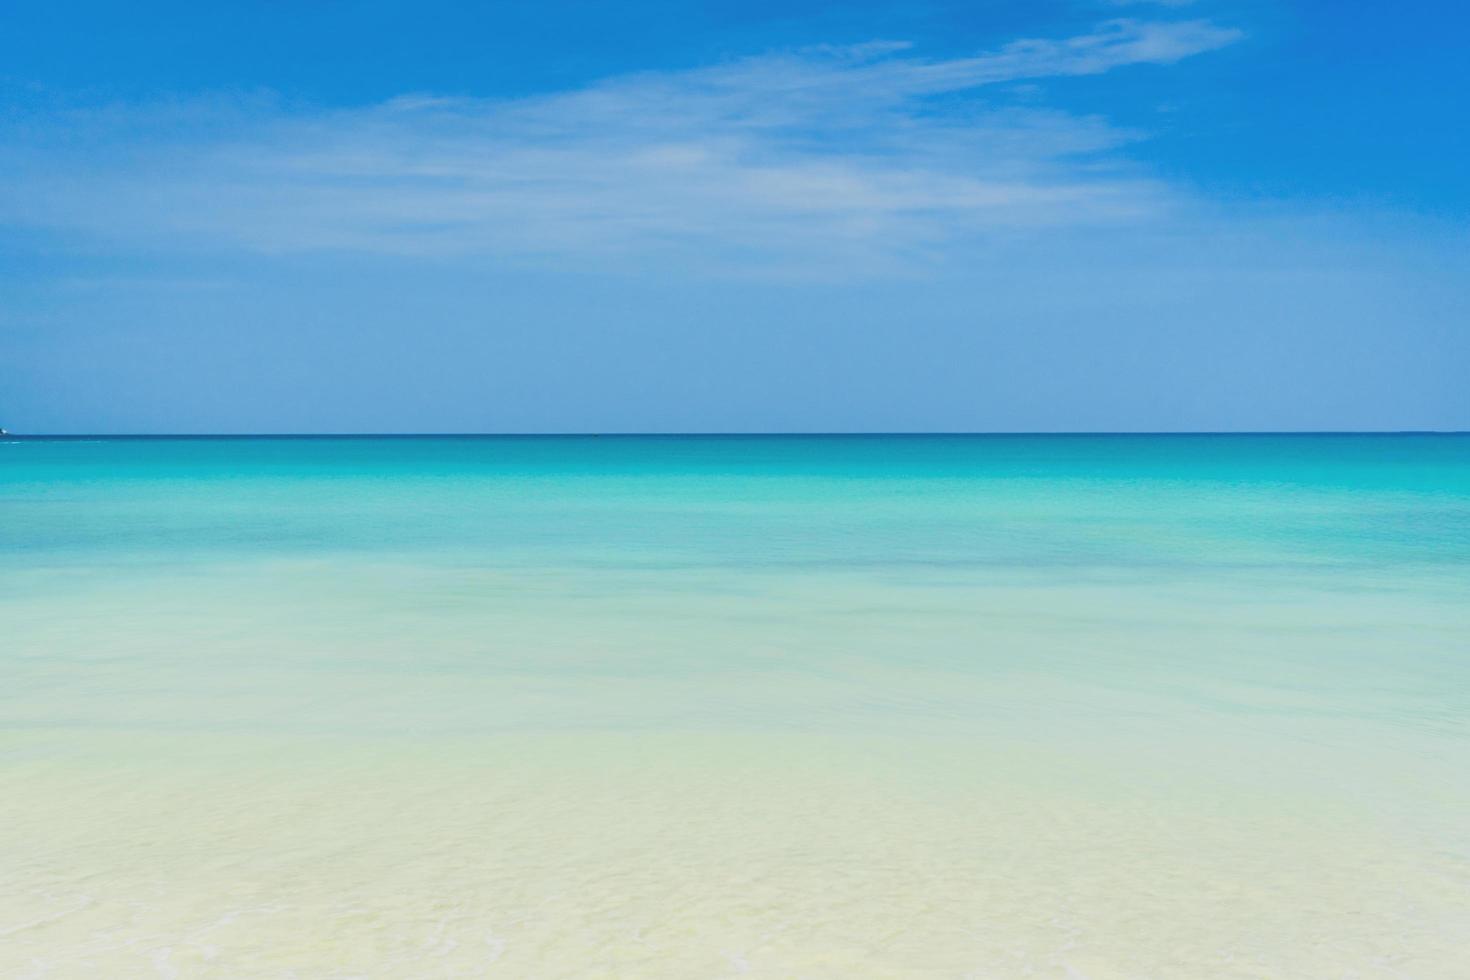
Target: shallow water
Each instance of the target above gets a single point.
(700, 707)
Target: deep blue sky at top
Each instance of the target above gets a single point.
(1331, 97)
(1346, 119)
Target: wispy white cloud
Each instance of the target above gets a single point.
(836, 155)
(1156, 3)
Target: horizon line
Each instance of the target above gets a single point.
(878, 433)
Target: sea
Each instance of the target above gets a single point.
(1065, 706)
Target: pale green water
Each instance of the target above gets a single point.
(779, 707)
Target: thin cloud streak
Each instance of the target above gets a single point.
(849, 157)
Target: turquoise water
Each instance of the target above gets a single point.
(1068, 706)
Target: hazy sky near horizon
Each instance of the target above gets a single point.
(734, 216)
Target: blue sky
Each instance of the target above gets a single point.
(656, 216)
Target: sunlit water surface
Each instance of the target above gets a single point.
(775, 707)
